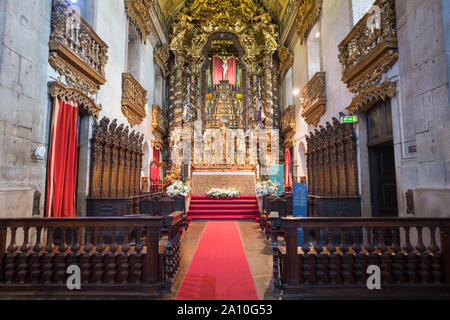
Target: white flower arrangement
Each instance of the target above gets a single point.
(265, 188)
(223, 193)
(178, 188)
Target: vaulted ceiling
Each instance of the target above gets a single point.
(276, 8)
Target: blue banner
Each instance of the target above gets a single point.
(276, 174)
(300, 205)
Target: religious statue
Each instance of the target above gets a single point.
(258, 113)
(224, 67)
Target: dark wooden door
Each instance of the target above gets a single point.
(381, 160)
(383, 182)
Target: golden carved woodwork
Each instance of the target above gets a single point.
(313, 99)
(134, 98)
(288, 125)
(286, 60)
(367, 98)
(169, 7)
(64, 93)
(139, 13)
(367, 52)
(158, 127)
(161, 57)
(308, 13)
(225, 109)
(75, 50)
(250, 22)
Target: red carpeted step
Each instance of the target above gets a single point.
(218, 199)
(221, 202)
(218, 217)
(206, 208)
(223, 207)
(223, 212)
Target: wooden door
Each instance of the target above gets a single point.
(382, 161)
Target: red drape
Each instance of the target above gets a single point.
(218, 70)
(154, 169)
(287, 161)
(62, 162)
(231, 71)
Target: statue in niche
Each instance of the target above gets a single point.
(258, 115)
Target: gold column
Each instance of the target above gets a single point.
(267, 90)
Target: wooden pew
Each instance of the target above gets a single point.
(324, 267)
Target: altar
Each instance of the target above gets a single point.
(203, 181)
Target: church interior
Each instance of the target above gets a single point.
(224, 149)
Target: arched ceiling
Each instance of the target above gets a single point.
(276, 8)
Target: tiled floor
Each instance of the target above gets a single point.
(257, 250)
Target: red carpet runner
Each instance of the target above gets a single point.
(219, 269)
(205, 208)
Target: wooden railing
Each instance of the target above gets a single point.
(336, 252)
(76, 51)
(117, 256)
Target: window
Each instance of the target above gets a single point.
(288, 86)
(360, 8)
(133, 51)
(314, 55)
(85, 8)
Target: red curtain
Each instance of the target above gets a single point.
(287, 161)
(154, 169)
(231, 71)
(62, 162)
(218, 70)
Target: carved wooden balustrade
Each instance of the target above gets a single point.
(313, 99)
(336, 252)
(134, 98)
(333, 187)
(370, 49)
(117, 255)
(76, 51)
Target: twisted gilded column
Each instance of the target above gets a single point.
(266, 86)
(180, 90)
(276, 96)
(171, 107)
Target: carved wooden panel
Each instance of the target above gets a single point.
(116, 161)
(331, 163)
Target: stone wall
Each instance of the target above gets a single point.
(420, 110)
(424, 94)
(24, 111)
(25, 107)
